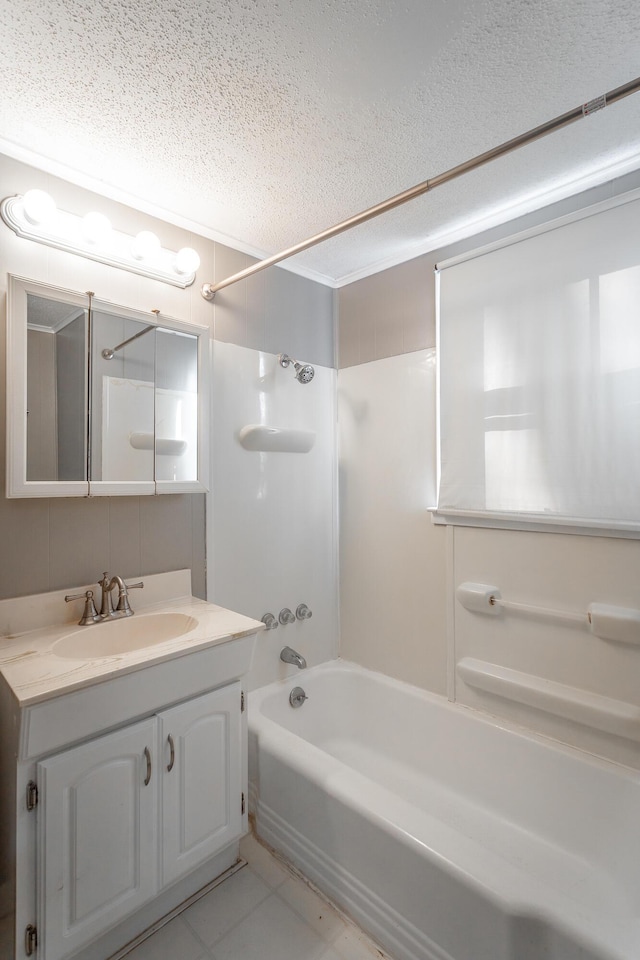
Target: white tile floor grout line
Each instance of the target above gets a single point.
(272, 911)
(168, 917)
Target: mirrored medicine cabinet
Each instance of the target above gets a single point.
(102, 400)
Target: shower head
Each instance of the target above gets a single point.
(304, 371)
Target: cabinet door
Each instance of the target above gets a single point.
(97, 837)
(201, 788)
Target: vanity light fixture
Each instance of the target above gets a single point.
(35, 216)
(187, 260)
(96, 229)
(38, 207)
(145, 245)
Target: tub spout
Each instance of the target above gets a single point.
(290, 656)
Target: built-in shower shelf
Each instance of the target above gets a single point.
(571, 703)
(259, 437)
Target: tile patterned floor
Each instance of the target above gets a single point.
(262, 912)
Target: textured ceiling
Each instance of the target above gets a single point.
(265, 121)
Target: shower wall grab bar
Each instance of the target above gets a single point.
(540, 611)
(208, 290)
(604, 620)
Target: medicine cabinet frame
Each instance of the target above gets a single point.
(17, 484)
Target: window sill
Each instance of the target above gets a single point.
(536, 524)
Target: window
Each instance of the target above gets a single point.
(539, 352)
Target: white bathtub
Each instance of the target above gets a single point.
(445, 835)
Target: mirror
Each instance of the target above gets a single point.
(101, 399)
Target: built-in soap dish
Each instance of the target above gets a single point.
(260, 437)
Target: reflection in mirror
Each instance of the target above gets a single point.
(122, 398)
(176, 414)
(56, 390)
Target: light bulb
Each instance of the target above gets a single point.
(38, 206)
(187, 260)
(145, 246)
(96, 227)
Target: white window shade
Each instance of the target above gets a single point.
(539, 351)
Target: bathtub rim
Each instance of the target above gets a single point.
(455, 707)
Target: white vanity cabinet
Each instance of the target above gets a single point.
(97, 837)
(123, 775)
(202, 799)
(123, 816)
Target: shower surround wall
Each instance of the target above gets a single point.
(393, 579)
(273, 525)
(385, 412)
(52, 544)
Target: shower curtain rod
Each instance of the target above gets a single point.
(209, 289)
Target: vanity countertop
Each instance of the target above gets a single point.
(34, 673)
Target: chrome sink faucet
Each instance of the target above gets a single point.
(123, 608)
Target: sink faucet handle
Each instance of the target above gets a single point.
(90, 614)
(124, 606)
(77, 596)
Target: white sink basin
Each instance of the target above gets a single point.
(123, 636)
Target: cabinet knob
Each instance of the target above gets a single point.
(172, 753)
(147, 756)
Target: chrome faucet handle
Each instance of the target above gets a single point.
(303, 612)
(107, 610)
(285, 616)
(89, 614)
(124, 607)
(270, 621)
